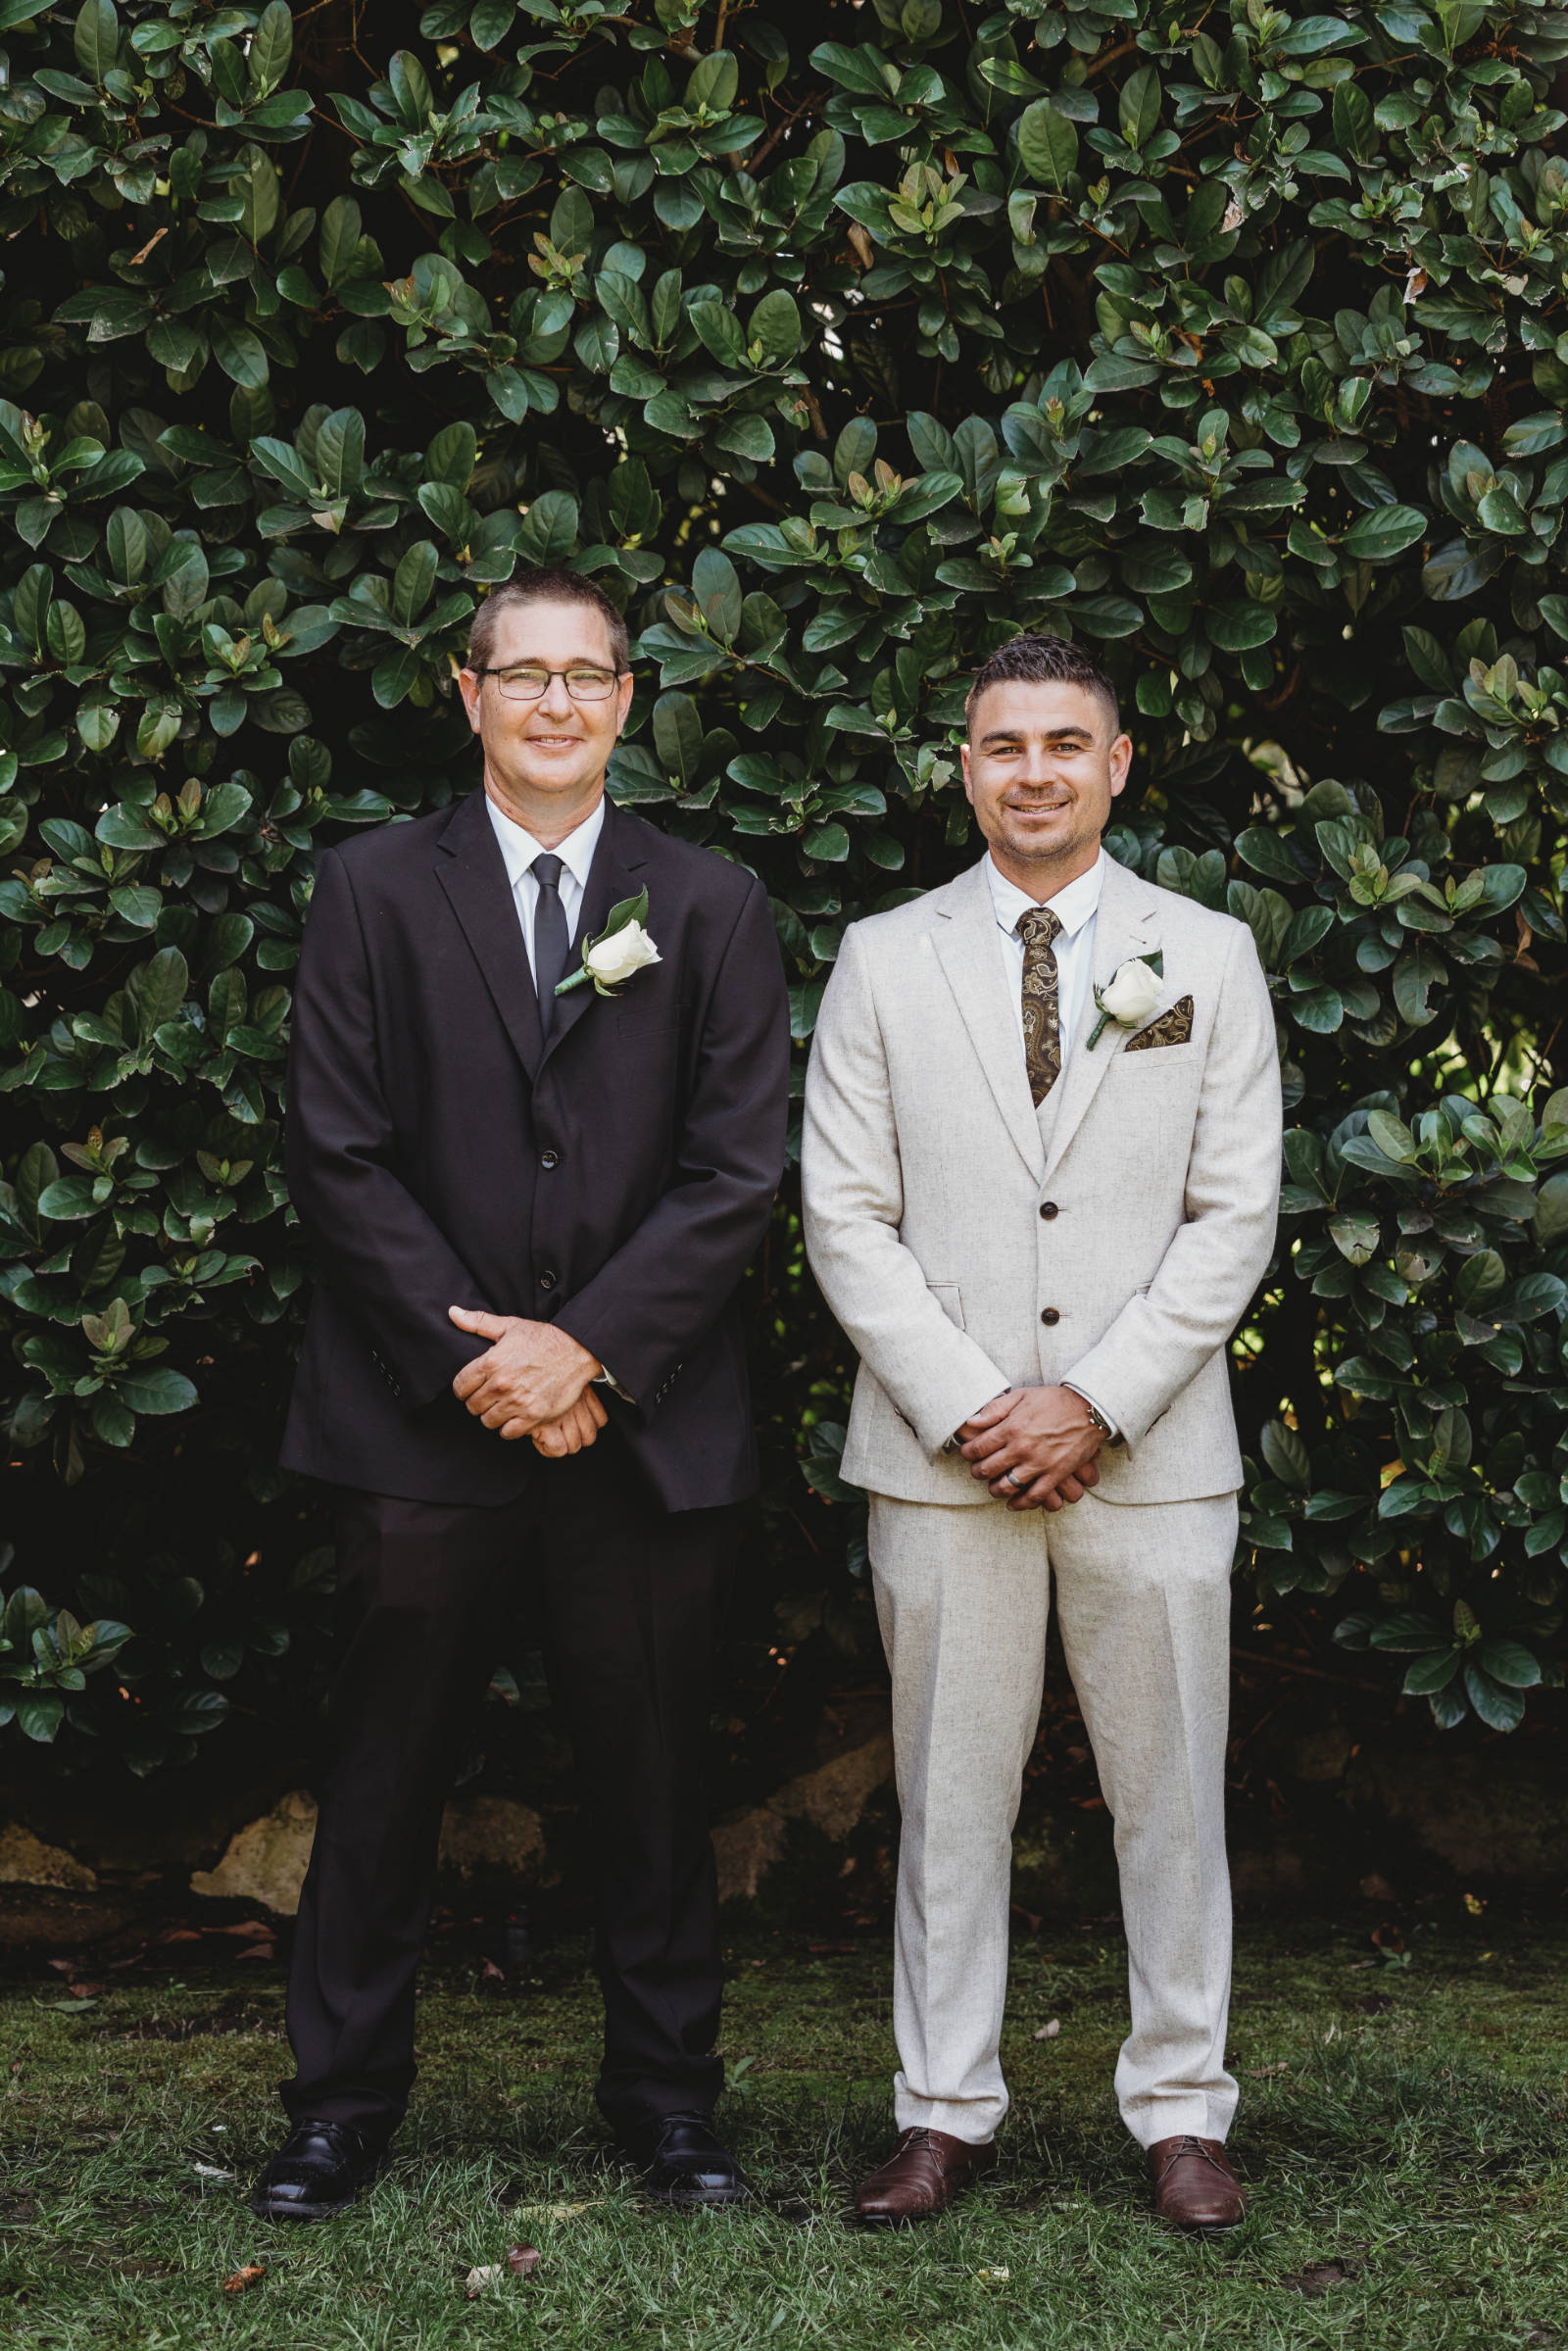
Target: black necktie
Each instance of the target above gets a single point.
(552, 941)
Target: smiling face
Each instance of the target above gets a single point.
(545, 760)
(1042, 766)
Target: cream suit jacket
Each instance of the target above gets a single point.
(925, 1177)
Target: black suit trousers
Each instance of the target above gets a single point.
(625, 1600)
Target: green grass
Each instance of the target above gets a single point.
(1411, 2156)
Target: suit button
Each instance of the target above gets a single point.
(1048, 1210)
(550, 1158)
(546, 1281)
(1049, 1314)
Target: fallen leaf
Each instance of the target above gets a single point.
(1314, 2281)
(85, 1991)
(522, 2260)
(995, 2277)
(211, 2170)
(1048, 2031)
(476, 2282)
(254, 1927)
(259, 1951)
(251, 2275)
(66, 2007)
(1261, 2072)
(554, 2211)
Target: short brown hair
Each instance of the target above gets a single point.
(553, 586)
(1044, 661)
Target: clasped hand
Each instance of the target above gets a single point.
(1044, 1437)
(534, 1382)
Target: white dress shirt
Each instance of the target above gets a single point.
(576, 854)
(1075, 909)
(520, 849)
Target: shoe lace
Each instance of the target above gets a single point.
(1190, 2144)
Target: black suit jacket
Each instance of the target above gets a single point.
(439, 1154)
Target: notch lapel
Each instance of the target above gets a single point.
(1127, 923)
(970, 955)
(472, 872)
(611, 876)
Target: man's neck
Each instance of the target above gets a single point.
(1042, 879)
(549, 816)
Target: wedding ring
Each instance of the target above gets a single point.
(1008, 1479)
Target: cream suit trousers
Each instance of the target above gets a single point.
(1142, 1600)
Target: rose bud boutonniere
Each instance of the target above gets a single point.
(1130, 994)
(621, 949)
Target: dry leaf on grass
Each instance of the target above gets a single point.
(211, 2170)
(522, 2260)
(1048, 2031)
(1318, 2277)
(554, 2211)
(251, 2275)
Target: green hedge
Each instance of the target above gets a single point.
(836, 344)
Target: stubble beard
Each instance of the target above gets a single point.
(1046, 854)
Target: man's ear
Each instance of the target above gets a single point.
(468, 686)
(969, 787)
(1121, 761)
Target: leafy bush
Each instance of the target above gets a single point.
(836, 345)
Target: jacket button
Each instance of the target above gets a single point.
(550, 1158)
(546, 1281)
(1049, 1314)
(1048, 1210)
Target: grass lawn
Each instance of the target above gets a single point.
(1403, 2126)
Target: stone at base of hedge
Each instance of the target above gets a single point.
(265, 1861)
(42, 1917)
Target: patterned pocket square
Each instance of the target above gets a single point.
(1174, 1027)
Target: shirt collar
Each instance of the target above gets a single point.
(1073, 906)
(520, 847)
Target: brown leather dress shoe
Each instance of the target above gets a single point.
(921, 2177)
(1194, 2186)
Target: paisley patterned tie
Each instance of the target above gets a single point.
(1039, 928)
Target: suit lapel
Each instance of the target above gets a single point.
(615, 874)
(1127, 923)
(472, 872)
(970, 954)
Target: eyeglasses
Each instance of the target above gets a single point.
(527, 684)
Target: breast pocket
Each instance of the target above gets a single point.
(949, 1299)
(1155, 1060)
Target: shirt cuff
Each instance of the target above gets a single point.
(1114, 1435)
(954, 1442)
(606, 1378)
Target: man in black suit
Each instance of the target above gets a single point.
(523, 1368)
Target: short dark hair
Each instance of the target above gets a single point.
(1044, 661)
(552, 586)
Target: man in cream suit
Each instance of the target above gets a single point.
(1041, 1177)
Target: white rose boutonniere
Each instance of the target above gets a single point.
(621, 949)
(1130, 995)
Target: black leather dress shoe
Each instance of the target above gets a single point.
(318, 2171)
(682, 2162)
